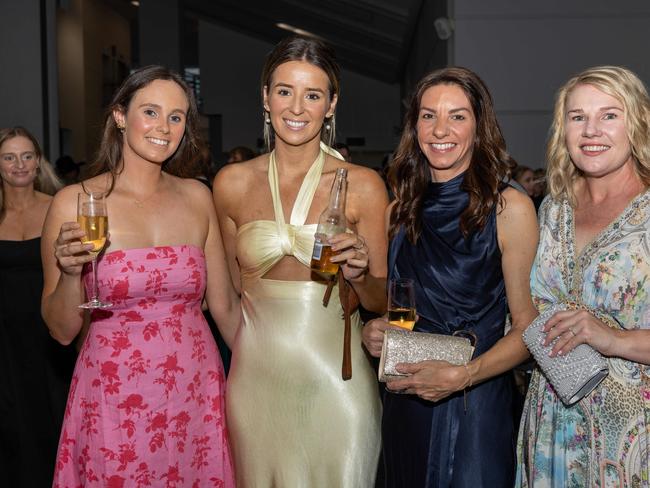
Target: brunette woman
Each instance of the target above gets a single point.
(468, 242)
(294, 421)
(146, 405)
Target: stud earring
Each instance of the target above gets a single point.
(267, 118)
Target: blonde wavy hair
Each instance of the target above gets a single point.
(627, 88)
(46, 179)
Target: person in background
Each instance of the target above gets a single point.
(593, 252)
(539, 188)
(146, 405)
(240, 154)
(467, 240)
(67, 170)
(526, 178)
(293, 420)
(343, 150)
(35, 369)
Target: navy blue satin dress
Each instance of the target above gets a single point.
(459, 286)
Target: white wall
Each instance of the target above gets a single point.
(525, 50)
(231, 66)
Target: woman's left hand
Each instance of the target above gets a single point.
(352, 254)
(575, 327)
(430, 380)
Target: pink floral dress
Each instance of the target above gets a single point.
(146, 405)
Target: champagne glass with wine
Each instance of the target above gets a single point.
(401, 303)
(92, 216)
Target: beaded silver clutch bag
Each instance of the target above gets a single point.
(405, 346)
(573, 375)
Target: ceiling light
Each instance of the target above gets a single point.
(296, 30)
(135, 3)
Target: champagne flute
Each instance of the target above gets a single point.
(92, 216)
(401, 303)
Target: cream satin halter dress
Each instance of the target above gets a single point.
(293, 421)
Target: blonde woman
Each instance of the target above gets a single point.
(593, 249)
(35, 369)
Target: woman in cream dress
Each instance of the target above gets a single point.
(293, 420)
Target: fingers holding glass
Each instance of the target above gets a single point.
(92, 217)
(70, 252)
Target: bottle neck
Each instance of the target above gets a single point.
(339, 190)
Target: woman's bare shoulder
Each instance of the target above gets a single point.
(362, 178)
(236, 178)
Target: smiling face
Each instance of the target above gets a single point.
(298, 101)
(154, 122)
(18, 162)
(446, 130)
(596, 135)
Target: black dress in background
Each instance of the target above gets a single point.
(35, 372)
(459, 286)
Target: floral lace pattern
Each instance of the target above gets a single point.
(146, 405)
(603, 440)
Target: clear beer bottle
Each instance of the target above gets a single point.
(331, 222)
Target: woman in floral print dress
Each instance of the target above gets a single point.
(146, 404)
(594, 250)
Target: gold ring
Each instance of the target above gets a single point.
(572, 331)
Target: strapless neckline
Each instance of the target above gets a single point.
(150, 248)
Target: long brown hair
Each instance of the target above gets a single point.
(314, 51)
(109, 156)
(490, 164)
(46, 179)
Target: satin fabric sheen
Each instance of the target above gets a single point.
(293, 421)
(459, 286)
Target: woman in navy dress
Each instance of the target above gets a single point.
(468, 241)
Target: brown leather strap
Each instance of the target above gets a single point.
(328, 292)
(349, 302)
(346, 367)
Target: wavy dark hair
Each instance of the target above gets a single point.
(490, 163)
(182, 163)
(314, 51)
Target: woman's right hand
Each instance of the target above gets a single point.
(373, 335)
(71, 254)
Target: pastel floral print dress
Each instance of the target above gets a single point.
(146, 405)
(603, 441)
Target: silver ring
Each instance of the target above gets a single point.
(572, 331)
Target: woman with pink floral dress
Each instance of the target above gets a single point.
(146, 403)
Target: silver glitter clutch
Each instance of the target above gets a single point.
(405, 346)
(573, 375)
